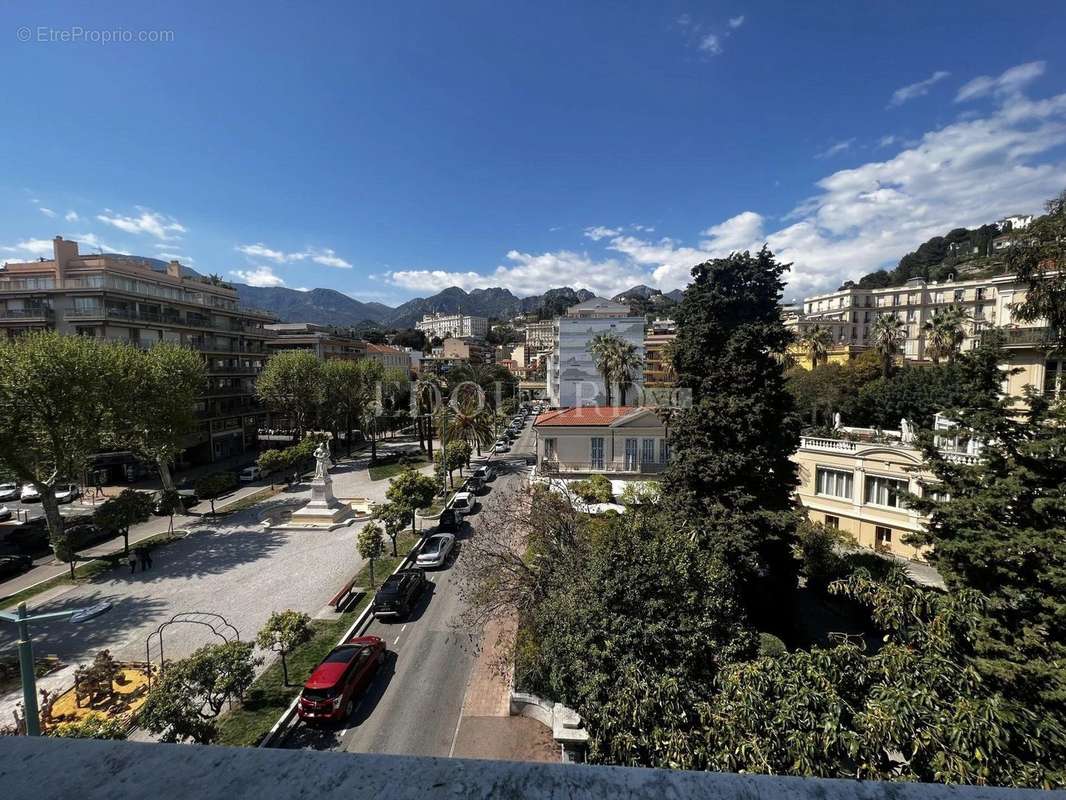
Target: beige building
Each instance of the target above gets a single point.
(458, 326)
(324, 343)
(126, 299)
(850, 314)
(857, 483)
(620, 441)
(389, 356)
(540, 336)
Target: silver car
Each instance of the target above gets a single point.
(9, 491)
(435, 550)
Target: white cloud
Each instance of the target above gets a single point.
(711, 43)
(967, 173)
(260, 276)
(177, 257)
(324, 256)
(598, 232)
(1010, 82)
(919, 89)
(835, 149)
(147, 221)
(887, 140)
(736, 22)
(47, 212)
(93, 242)
(71, 216)
(684, 20)
(36, 248)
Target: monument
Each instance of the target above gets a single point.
(323, 510)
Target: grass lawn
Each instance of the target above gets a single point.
(268, 698)
(379, 472)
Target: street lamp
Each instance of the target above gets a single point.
(29, 676)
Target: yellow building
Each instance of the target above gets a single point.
(858, 486)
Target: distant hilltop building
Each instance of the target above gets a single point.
(453, 326)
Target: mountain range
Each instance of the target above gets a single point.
(330, 307)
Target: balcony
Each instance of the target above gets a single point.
(827, 444)
(604, 467)
(1024, 337)
(40, 314)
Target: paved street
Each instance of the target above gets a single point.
(414, 705)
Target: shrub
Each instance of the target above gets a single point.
(596, 489)
(770, 646)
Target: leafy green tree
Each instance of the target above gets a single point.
(915, 709)
(192, 692)
(291, 384)
(347, 388)
(470, 419)
(272, 461)
(998, 526)
(165, 383)
(594, 489)
(889, 334)
(283, 632)
(57, 404)
(410, 491)
(731, 475)
(916, 393)
(211, 487)
(118, 514)
(821, 553)
(395, 518)
(1037, 255)
(371, 545)
(170, 503)
(452, 457)
(92, 726)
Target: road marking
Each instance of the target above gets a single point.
(394, 641)
(455, 736)
(343, 732)
(403, 628)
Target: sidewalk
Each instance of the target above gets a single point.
(486, 728)
(46, 567)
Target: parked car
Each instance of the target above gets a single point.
(14, 565)
(249, 474)
(29, 494)
(399, 593)
(186, 496)
(485, 472)
(9, 491)
(331, 692)
(501, 447)
(463, 503)
(474, 484)
(449, 521)
(67, 493)
(86, 534)
(30, 536)
(5, 513)
(435, 550)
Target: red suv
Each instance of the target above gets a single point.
(331, 692)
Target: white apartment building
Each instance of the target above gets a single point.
(572, 377)
(987, 303)
(453, 326)
(540, 336)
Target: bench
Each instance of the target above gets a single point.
(347, 593)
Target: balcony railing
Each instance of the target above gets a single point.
(27, 314)
(615, 467)
(1024, 337)
(849, 446)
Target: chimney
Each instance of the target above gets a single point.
(64, 252)
(174, 269)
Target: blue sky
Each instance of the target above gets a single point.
(389, 150)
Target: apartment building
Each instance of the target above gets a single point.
(540, 336)
(470, 351)
(987, 303)
(658, 368)
(572, 377)
(460, 326)
(389, 356)
(326, 344)
(141, 302)
(857, 481)
(620, 441)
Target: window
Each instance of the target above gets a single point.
(831, 521)
(885, 491)
(981, 294)
(833, 482)
(631, 454)
(959, 295)
(647, 451)
(549, 449)
(664, 451)
(936, 495)
(596, 452)
(1053, 378)
(882, 536)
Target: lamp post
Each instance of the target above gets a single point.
(25, 647)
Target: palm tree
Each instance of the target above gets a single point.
(817, 341)
(628, 363)
(604, 350)
(889, 335)
(472, 421)
(945, 333)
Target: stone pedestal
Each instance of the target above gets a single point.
(323, 509)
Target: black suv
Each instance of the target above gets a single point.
(399, 593)
(449, 521)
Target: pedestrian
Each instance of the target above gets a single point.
(133, 562)
(146, 555)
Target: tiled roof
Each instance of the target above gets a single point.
(584, 416)
(384, 348)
